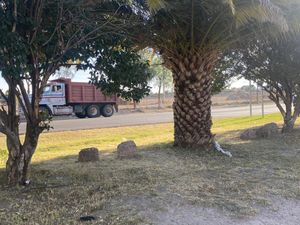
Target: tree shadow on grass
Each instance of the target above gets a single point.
(162, 175)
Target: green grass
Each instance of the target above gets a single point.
(60, 144)
(119, 191)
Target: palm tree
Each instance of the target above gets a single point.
(190, 35)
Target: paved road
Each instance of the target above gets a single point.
(120, 120)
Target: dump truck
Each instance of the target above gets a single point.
(64, 97)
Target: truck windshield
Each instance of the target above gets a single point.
(47, 88)
(56, 89)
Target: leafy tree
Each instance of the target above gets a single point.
(66, 72)
(161, 76)
(276, 67)
(163, 80)
(228, 66)
(37, 38)
(190, 35)
(117, 69)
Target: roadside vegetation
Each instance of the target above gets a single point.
(38, 38)
(131, 191)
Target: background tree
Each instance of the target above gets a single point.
(161, 76)
(229, 66)
(276, 67)
(38, 37)
(190, 35)
(116, 68)
(163, 80)
(66, 72)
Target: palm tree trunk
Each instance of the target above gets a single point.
(192, 100)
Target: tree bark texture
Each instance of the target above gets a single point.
(192, 99)
(291, 116)
(20, 155)
(289, 124)
(289, 113)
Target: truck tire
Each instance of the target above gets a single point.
(107, 110)
(93, 111)
(81, 115)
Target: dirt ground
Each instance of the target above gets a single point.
(259, 185)
(178, 212)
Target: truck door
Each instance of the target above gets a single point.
(54, 95)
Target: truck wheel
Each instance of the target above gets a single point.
(81, 115)
(107, 110)
(93, 111)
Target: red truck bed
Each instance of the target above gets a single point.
(78, 92)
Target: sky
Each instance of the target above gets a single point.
(3, 85)
(239, 83)
(84, 75)
(80, 76)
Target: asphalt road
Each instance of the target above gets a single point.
(121, 120)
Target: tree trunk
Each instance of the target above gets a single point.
(163, 93)
(19, 158)
(290, 120)
(288, 125)
(291, 115)
(192, 100)
(17, 165)
(159, 95)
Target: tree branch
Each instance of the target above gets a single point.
(24, 101)
(3, 96)
(15, 17)
(276, 100)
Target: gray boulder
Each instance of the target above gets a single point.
(88, 155)
(126, 149)
(249, 134)
(266, 131)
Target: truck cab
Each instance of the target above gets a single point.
(54, 99)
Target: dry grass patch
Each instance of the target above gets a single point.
(126, 191)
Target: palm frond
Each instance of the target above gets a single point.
(264, 11)
(275, 14)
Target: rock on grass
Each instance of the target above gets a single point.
(88, 155)
(266, 131)
(126, 149)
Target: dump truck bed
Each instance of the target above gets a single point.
(79, 92)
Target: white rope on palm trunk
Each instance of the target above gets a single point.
(220, 149)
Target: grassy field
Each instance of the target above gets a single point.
(113, 190)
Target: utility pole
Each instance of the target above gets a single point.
(257, 94)
(250, 98)
(262, 102)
